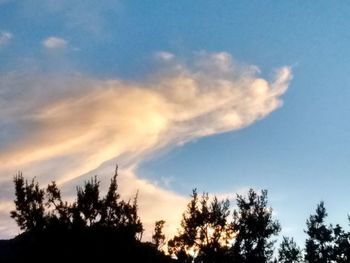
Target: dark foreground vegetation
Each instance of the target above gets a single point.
(108, 229)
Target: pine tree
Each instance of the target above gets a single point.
(318, 246)
(341, 248)
(254, 227)
(289, 252)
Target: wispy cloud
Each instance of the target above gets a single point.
(164, 55)
(65, 128)
(5, 38)
(88, 15)
(54, 43)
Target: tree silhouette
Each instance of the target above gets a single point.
(59, 213)
(29, 203)
(90, 220)
(158, 238)
(205, 231)
(289, 252)
(111, 210)
(94, 228)
(318, 246)
(341, 248)
(254, 227)
(91, 229)
(88, 201)
(130, 219)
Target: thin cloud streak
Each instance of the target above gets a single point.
(71, 133)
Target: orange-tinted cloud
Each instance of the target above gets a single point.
(64, 128)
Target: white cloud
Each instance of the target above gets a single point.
(64, 128)
(5, 38)
(164, 55)
(54, 43)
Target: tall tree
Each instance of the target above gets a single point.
(319, 244)
(111, 211)
(289, 252)
(254, 228)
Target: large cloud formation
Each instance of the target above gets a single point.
(66, 128)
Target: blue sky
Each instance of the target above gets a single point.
(298, 151)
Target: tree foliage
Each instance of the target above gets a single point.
(90, 229)
(38, 209)
(205, 230)
(319, 244)
(93, 228)
(29, 203)
(158, 238)
(289, 252)
(208, 235)
(341, 246)
(254, 227)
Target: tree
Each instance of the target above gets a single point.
(91, 229)
(37, 209)
(205, 231)
(29, 203)
(254, 227)
(158, 238)
(111, 211)
(88, 201)
(289, 252)
(341, 248)
(130, 220)
(318, 246)
(60, 214)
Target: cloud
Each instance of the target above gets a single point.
(69, 128)
(88, 15)
(54, 43)
(5, 38)
(164, 55)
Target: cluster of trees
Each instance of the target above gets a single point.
(90, 229)
(208, 235)
(94, 228)
(43, 209)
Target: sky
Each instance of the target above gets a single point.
(219, 96)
